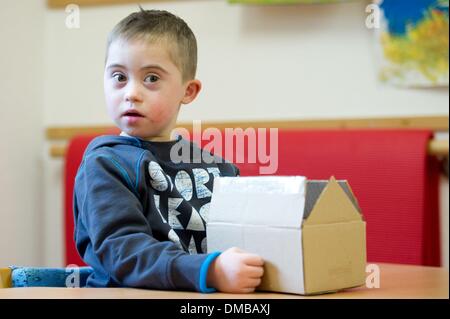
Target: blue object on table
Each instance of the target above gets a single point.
(49, 277)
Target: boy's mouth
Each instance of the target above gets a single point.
(132, 113)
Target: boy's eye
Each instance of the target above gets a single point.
(151, 78)
(119, 77)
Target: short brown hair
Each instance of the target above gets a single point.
(160, 25)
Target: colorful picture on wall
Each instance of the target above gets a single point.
(284, 1)
(414, 42)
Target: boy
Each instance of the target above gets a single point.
(139, 217)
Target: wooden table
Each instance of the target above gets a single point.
(396, 281)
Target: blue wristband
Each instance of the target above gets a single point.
(204, 272)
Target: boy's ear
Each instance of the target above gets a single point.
(192, 89)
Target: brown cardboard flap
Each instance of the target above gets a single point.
(315, 187)
(333, 206)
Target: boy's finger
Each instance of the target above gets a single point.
(253, 283)
(253, 260)
(255, 271)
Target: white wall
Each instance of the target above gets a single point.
(290, 62)
(301, 61)
(22, 123)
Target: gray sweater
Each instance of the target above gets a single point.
(140, 217)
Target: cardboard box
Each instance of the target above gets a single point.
(310, 233)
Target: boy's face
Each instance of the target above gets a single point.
(144, 89)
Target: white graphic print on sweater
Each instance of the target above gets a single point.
(162, 182)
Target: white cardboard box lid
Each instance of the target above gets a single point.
(274, 201)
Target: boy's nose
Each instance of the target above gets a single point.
(133, 94)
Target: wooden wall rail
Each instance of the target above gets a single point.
(435, 123)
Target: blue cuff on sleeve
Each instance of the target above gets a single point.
(204, 272)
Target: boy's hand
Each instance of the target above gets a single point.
(235, 271)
